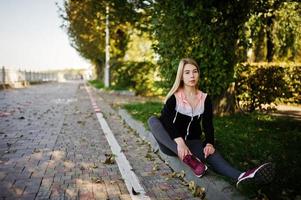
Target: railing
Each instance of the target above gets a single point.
(14, 77)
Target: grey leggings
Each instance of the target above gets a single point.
(168, 146)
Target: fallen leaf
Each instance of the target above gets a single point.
(110, 159)
(94, 166)
(155, 167)
(172, 175)
(191, 185)
(199, 192)
(134, 192)
(149, 157)
(184, 183)
(96, 180)
(181, 174)
(156, 151)
(36, 151)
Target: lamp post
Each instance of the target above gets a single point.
(107, 64)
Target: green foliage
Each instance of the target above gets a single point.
(203, 30)
(137, 76)
(261, 84)
(139, 47)
(143, 111)
(293, 81)
(97, 83)
(85, 24)
(264, 138)
(287, 31)
(277, 22)
(215, 33)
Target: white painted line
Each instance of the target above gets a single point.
(130, 178)
(125, 168)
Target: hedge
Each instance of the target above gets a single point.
(265, 83)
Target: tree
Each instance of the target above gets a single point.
(84, 22)
(207, 31)
(287, 31)
(274, 30)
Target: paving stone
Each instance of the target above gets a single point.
(44, 193)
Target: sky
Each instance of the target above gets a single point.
(31, 37)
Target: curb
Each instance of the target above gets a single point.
(215, 187)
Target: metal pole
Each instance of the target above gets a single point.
(3, 77)
(107, 66)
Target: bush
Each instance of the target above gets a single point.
(97, 83)
(293, 80)
(259, 84)
(137, 76)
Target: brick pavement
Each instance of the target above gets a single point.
(52, 147)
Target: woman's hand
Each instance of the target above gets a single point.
(208, 150)
(182, 148)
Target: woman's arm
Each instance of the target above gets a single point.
(167, 116)
(207, 122)
(182, 148)
(208, 128)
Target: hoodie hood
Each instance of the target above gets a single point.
(184, 107)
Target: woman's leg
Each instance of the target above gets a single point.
(216, 161)
(161, 135)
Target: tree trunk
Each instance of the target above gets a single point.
(270, 45)
(225, 104)
(99, 68)
(259, 46)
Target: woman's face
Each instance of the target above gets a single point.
(190, 75)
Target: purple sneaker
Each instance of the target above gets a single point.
(195, 164)
(262, 174)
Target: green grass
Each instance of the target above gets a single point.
(248, 140)
(97, 83)
(142, 111)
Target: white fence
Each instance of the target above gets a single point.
(13, 77)
(19, 78)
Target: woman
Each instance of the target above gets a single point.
(186, 114)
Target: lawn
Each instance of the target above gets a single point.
(248, 140)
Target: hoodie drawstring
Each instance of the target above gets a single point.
(174, 119)
(187, 133)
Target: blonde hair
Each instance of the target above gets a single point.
(179, 82)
